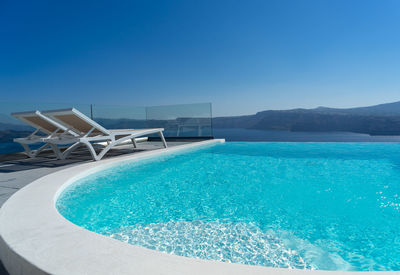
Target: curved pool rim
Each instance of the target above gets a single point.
(36, 239)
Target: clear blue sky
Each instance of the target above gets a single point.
(243, 56)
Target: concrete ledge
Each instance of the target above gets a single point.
(36, 239)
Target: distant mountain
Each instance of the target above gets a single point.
(383, 119)
(387, 109)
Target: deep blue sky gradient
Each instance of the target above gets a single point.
(243, 56)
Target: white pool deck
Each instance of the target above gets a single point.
(36, 239)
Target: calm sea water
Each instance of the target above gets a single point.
(261, 135)
(326, 206)
(236, 134)
(10, 147)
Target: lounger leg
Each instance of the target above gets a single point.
(114, 143)
(134, 142)
(28, 150)
(41, 148)
(105, 150)
(92, 151)
(163, 139)
(56, 151)
(70, 149)
(33, 153)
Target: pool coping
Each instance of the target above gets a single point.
(36, 239)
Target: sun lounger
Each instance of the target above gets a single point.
(44, 125)
(91, 133)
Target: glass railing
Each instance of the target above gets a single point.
(119, 117)
(178, 121)
(186, 120)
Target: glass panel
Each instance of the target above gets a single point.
(120, 117)
(185, 120)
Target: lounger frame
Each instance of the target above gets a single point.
(57, 130)
(93, 133)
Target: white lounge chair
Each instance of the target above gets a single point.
(42, 124)
(91, 132)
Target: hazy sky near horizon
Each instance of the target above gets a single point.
(243, 56)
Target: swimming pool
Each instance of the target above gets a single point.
(329, 206)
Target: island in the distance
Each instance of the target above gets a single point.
(383, 119)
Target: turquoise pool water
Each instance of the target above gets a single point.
(329, 206)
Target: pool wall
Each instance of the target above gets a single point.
(36, 239)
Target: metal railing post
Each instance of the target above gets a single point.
(211, 122)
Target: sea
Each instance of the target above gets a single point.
(237, 134)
